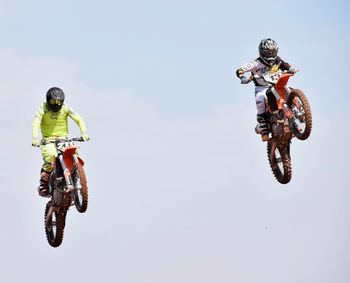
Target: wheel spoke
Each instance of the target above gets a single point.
(279, 161)
(302, 113)
(54, 225)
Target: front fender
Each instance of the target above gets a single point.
(81, 161)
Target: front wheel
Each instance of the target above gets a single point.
(280, 162)
(81, 189)
(300, 106)
(54, 225)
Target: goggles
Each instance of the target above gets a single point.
(56, 101)
(269, 53)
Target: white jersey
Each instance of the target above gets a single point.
(258, 67)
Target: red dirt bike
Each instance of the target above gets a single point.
(67, 186)
(289, 115)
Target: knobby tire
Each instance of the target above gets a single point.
(308, 114)
(54, 239)
(82, 205)
(282, 177)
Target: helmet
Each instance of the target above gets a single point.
(268, 49)
(54, 99)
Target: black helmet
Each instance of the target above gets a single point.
(54, 99)
(268, 49)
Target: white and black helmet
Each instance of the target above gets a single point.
(268, 50)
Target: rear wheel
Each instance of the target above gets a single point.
(280, 162)
(300, 106)
(81, 189)
(54, 225)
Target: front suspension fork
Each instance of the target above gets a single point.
(66, 174)
(287, 111)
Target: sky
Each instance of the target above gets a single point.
(179, 183)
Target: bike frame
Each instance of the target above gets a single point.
(279, 90)
(67, 156)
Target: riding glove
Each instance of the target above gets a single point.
(292, 70)
(244, 80)
(36, 143)
(85, 137)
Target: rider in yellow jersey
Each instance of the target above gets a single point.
(52, 119)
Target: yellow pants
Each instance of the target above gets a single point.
(48, 151)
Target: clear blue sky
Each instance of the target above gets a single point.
(180, 188)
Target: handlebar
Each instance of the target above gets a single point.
(78, 139)
(256, 76)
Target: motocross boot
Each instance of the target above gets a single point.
(43, 188)
(261, 127)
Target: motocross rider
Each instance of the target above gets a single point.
(52, 118)
(268, 50)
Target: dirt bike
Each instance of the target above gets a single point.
(67, 187)
(288, 115)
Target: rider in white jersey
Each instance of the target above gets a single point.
(268, 50)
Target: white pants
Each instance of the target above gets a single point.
(260, 97)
